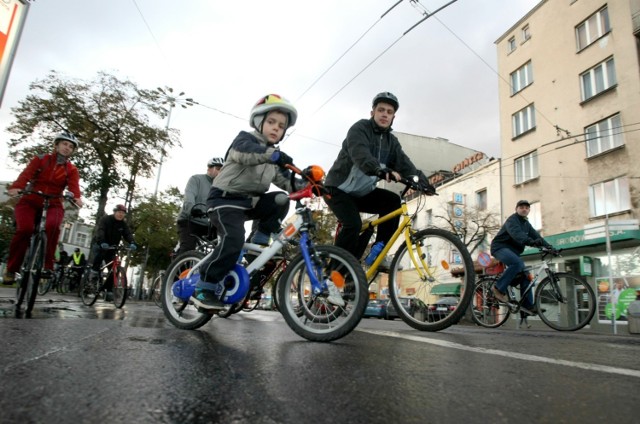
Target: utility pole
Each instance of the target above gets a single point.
(171, 100)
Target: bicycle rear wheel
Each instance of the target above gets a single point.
(437, 274)
(311, 315)
(486, 310)
(566, 303)
(88, 289)
(181, 312)
(155, 290)
(119, 288)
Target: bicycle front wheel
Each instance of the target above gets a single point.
(88, 289)
(155, 290)
(566, 302)
(45, 285)
(486, 310)
(310, 314)
(435, 272)
(119, 288)
(181, 312)
(35, 269)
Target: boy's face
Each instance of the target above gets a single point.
(274, 126)
(383, 114)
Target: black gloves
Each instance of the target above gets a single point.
(281, 158)
(385, 174)
(538, 243)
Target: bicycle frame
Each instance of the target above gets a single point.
(405, 227)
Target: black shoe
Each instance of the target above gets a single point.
(206, 299)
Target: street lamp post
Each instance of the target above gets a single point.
(171, 101)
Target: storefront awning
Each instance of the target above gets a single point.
(446, 289)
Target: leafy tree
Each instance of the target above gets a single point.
(7, 228)
(153, 223)
(109, 117)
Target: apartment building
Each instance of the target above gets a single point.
(569, 94)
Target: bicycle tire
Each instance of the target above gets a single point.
(35, 269)
(440, 250)
(44, 285)
(576, 308)
(155, 291)
(230, 310)
(486, 311)
(119, 288)
(88, 289)
(312, 316)
(181, 312)
(64, 284)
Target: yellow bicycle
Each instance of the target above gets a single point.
(431, 276)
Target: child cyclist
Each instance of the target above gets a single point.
(239, 193)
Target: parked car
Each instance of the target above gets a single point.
(376, 308)
(391, 310)
(441, 308)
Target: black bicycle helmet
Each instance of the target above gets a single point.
(66, 136)
(386, 97)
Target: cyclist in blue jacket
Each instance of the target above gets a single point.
(507, 246)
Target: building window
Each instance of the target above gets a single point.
(598, 79)
(535, 216)
(526, 33)
(521, 78)
(523, 120)
(593, 28)
(526, 167)
(609, 197)
(82, 239)
(429, 217)
(481, 200)
(511, 44)
(604, 135)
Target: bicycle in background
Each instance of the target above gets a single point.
(32, 269)
(110, 278)
(565, 302)
(428, 265)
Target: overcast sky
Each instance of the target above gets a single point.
(227, 54)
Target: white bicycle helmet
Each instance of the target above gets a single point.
(268, 103)
(215, 162)
(66, 136)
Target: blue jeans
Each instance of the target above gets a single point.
(515, 266)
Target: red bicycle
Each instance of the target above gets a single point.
(111, 278)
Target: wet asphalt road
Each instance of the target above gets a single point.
(78, 364)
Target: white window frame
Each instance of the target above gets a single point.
(604, 135)
(592, 28)
(526, 33)
(521, 78)
(82, 239)
(535, 216)
(615, 192)
(511, 44)
(523, 120)
(526, 167)
(598, 79)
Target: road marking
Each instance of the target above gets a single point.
(513, 355)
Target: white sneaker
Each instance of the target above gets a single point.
(335, 297)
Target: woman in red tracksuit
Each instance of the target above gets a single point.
(50, 174)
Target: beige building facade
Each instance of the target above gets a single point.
(569, 94)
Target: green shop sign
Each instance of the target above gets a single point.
(573, 239)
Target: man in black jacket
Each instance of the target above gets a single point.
(111, 229)
(370, 152)
(508, 245)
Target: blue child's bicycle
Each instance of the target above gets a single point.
(321, 295)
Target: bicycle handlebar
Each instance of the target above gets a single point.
(415, 185)
(544, 250)
(69, 197)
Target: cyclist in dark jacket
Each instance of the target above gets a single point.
(370, 152)
(111, 229)
(516, 233)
